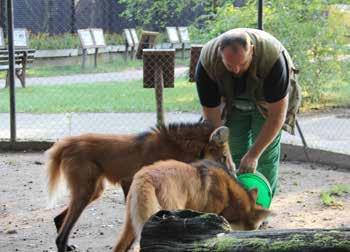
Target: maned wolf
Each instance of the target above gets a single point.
(86, 161)
(203, 186)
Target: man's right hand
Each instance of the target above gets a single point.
(213, 115)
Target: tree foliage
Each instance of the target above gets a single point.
(155, 13)
(304, 28)
(159, 13)
(314, 39)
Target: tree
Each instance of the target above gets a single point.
(158, 14)
(304, 29)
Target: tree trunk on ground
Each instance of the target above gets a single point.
(194, 231)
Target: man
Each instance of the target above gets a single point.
(246, 80)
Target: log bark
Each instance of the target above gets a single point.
(193, 231)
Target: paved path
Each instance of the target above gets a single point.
(326, 131)
(126, 75)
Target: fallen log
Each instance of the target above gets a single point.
(194, 231)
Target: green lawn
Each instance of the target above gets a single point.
(130, 96)
(127, 96)
(334, 93)
(116, 65)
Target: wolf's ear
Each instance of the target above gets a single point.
(219, 135)
(254, 193)
(261, 214)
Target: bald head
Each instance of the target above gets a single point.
(236, 50)
(235, 40)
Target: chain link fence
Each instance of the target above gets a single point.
(78, 84)
(71, 90)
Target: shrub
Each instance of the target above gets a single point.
(303, 28)
(45, 41)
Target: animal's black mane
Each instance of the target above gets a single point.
(185, 131)
(186, 137)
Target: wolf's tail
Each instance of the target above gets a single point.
(54, 158)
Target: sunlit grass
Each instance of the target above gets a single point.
(127, 96)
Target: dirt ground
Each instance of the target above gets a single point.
(26, 220)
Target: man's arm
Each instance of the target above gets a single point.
(276, 94)
(275, 118)
(209, 96)
(213, 115)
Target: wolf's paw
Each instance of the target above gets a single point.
(72, 248)
(137, 248)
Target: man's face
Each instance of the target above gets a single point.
(237, 62)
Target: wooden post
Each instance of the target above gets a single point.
(159, 73)
(133, 52)
(158, 86)
(95, 58)
(194, 57)
(126, 51)
(183, 50)
(184, 38)
(22, 72)
(83, 64)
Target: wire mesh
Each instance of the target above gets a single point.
(111, 93)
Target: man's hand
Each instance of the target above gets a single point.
(213, 115)
(248, 164)
(273, 124)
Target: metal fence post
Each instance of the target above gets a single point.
(11, 71)
(261, 27)
(260, 14)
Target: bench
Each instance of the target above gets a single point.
(23, 57)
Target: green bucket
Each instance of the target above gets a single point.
(257, 180)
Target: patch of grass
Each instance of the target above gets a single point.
(118, 64)
(112, 96)
(128, 96)
(339, 190)
(335, 93)
(115, 66)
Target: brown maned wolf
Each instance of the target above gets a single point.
(200, 186)
(86, 161)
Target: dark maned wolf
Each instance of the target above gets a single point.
(201, 186)
(86, 161)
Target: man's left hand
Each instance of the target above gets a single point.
(248, 164)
